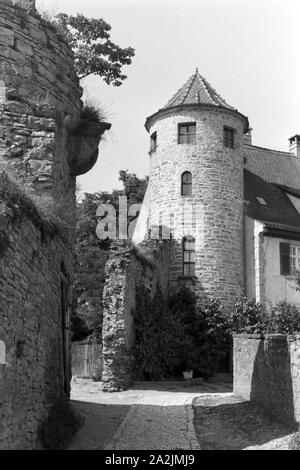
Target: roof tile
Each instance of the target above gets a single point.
(277, 167)
(197, 90)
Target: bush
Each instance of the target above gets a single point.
(158, 336)
(283, 318)
(251, 317)
(173, 335)
(211, 336)
(57, 431)
(248, 317)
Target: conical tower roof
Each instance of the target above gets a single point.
(196, 91)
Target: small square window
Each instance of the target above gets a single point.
(187, 133)
(228, 137)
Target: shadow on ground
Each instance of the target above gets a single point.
(100, 424)
(231, 423)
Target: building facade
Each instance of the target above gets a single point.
(206, 188)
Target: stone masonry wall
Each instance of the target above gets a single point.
(125, 271)
(34, 370)
(44, 143)
(214, 213)
(41, 103)
(267, 370)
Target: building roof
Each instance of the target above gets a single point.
(197, 90)
(273, 166)
(278, 210)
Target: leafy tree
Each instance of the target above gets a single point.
(92, 254)
(94, 51)
(134, 187)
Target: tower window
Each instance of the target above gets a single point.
(186, 184)
(187, 133)
(228, 134)
(188, 256)
(153, 142)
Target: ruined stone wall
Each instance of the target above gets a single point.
(216, 218)
(267, 370)
(126, 270)
(41, 103)
(34, 265)
(44, 143)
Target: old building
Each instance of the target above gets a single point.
(220, 216)
(231, 207)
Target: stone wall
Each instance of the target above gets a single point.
(214, 212)
(35, 265)
(267, 370)
(43, 141)
(127, 269)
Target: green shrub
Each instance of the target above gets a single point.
(248, 317)
(251, 317)
(158, 336)
(173, 335)
(57, 431)
(211, 336)
(283, 318)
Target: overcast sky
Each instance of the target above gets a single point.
(247, 50)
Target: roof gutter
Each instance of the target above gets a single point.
(165, 111)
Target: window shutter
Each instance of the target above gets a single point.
(284, 258)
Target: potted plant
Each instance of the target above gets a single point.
(188, 374)
(189, 362)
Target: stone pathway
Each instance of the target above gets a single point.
(226, 422)
(172, 416)
(149, 416)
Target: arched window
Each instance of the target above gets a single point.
(186, 184)
(188, 249)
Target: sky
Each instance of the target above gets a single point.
(247, 50)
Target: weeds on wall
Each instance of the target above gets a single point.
(92, 111)
(251, 317)
(58, 430)
(173, 335)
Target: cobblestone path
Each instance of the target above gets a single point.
(173, 416)
(147, 417)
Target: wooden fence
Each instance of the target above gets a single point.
(87, 360)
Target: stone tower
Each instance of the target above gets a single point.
(196, 179)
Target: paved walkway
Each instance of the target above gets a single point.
(149, 416)
(172, 416)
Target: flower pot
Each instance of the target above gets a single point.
(188, 374)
